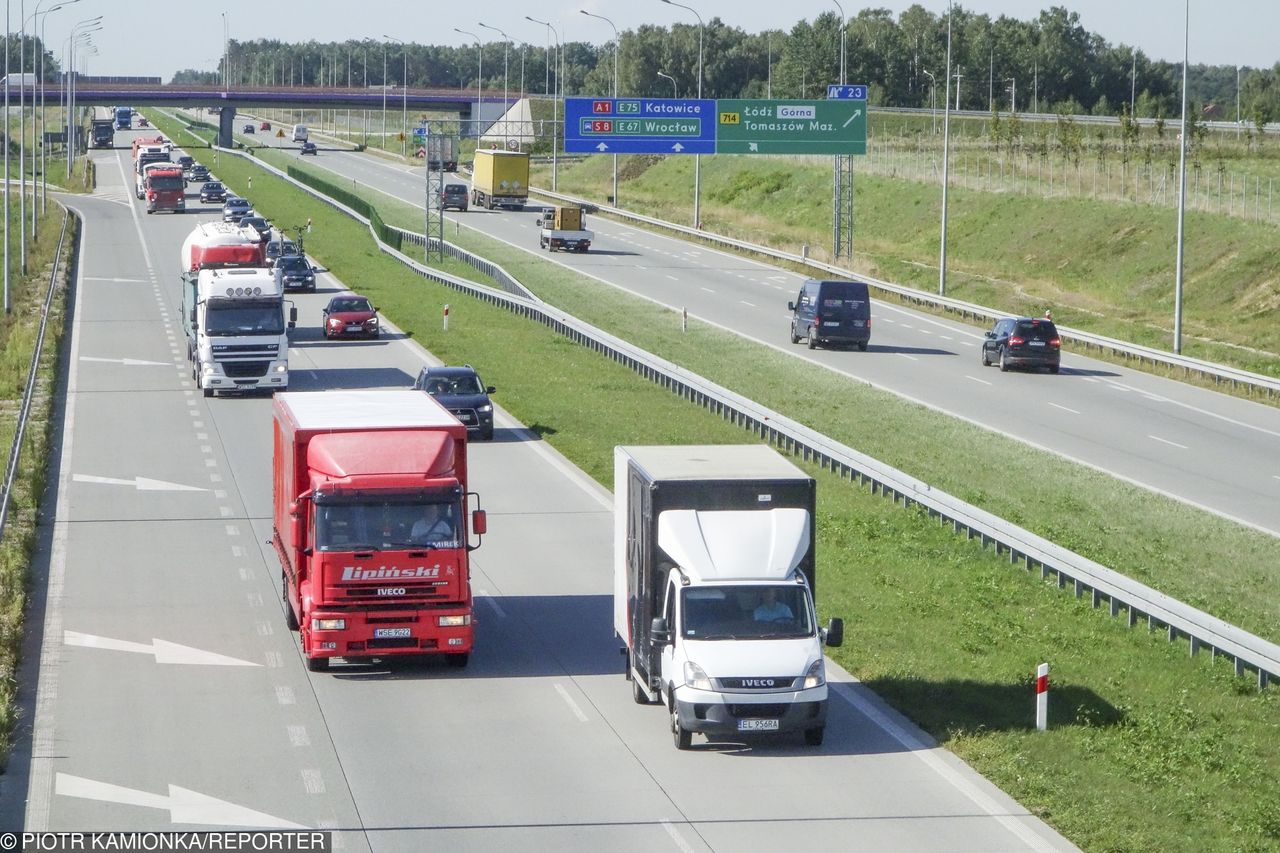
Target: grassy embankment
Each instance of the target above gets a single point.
(946, 632)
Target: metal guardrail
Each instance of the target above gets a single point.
(1204, 631)
(33, 373)
(1266, 386)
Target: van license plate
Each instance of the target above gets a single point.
(757, 725)
(1037, 343)
(390, 633)
(828, 324)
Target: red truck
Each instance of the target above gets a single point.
(164, 188)
(371, 511)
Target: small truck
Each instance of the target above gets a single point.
(562, 228)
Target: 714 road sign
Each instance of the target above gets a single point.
(791, 127)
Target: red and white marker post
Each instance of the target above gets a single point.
(446, 317)
(1042, 697)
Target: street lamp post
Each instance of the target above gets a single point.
(946, 160)
(475, 121)
(555, 103)
(843, 25)
(673, 83)
(617, 44)
(506, 104)
(1013, 93)
(404, 97)
(697, 158)
(933, 98)
(1182, 189)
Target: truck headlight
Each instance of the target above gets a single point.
(282, 368)
(816, 676)
(695, 676)
(454, 621)
(328, 624)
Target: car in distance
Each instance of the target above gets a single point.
(235, 208)
(294, 272)
(831, 312)
(280, 248)
(453, 195)
(1023, 342)
(266, 125)
(199, 173)
(349, 315)
(248, 128)
(259, 224)
(187, 162)
(213, 191)
(308, 148)
(460, 390)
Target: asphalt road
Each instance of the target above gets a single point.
(1210, 450)
(170, 695)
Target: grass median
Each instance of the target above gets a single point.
(948, 633)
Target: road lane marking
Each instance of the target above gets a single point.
(976, 379)
(573, 706)
(163, 651)
(312, 781)
(298, 736)
(484, 593)
(676, 837)
(184, 806)
(749, 304)
(1167, 441)
(904, 355)
(1064, 408)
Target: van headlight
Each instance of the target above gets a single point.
(695, 676)
(816, 676)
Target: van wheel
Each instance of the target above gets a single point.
(813, 737)
(682, 737)
(290, 618)
(862, 345)
(1004, 362)
(813, 339)
(1054, 369)
(638, 693)
(795, 339)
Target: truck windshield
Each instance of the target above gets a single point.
(166, 183)
(262, 317)
(746, 612)
(382, 525)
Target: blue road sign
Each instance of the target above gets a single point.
(639, 126)
(846, 93)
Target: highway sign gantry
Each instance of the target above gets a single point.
(791, 127)
(639, 126)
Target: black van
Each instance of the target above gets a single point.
(831, 312)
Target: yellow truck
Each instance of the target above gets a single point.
(500, 179)
(564, 228)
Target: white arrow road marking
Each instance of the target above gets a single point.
(142, 484)
(184, 806)
(127, 362)
(163, 650)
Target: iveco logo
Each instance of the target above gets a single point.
(391, 590)
(757, 682)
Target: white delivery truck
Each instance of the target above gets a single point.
(300, 133)
(713, 590)
(237, 336)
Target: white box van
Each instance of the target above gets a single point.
(299, 133)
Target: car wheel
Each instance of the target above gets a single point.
(813, 339)
(1054, 368)
(862, 346)
(1004, 361)
(795, 339)
(986, 362)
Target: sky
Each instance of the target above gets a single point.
(139, 38)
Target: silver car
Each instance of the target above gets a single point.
(234, 209)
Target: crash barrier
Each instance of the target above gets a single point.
(1251, 383)
(1139, 602)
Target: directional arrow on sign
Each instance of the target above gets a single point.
(163, 650)
(602, 147)
(183, 805)
(142, 484)
(677, 148)
(856, 114)
(127, 362)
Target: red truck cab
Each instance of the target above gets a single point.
(165, 189)
(372, 525)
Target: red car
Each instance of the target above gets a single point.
(266, 125)
(349, 316)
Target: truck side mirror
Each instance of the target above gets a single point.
(659, 633)
(479, 522)
(293, 316)
(835, 632)
(296, 528)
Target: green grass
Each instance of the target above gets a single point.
(948, 633)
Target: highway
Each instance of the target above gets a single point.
(170, 695)
(1206, 449)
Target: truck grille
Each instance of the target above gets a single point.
(245, 349)
(245, 369)
(751, 712)
(763, 683)
(418, 591)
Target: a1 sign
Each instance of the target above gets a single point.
(846, 93)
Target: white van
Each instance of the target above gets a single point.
(299, 133)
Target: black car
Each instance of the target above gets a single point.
(213, 191)
(460, 390)
(280, 248)
(248, 128)
(453, 195)
(308, 148)
(259, 224)
(294, 272)
(187, 162)
(199, 173)
(1023, 342)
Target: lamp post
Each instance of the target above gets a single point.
(555, 104)
(1182, 189)
(933, 98)
(946, 160)
(506, 104)
(475, 121)
(79, 32)
(617, 44)
(404, 97)
(1013, 93)
(842, 29)
(697, 158)
(384, 94)
(673, 83)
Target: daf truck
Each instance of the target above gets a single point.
(714, 590)
(500, 179)
(373, 521)
(103, 133)
(237, 334)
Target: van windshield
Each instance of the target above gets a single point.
(746, 612)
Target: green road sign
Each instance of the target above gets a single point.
(791, 127)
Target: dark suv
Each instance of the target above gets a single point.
(454, 195)
(294, 272)
(1023, 342)
(460, 390)
(831, 312)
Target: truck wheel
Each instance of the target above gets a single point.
(638, 693)
(458, 661)
(682, 737)
(208, 392)
(813, 339)
(318, 664)
(813, 737)
(290, 618)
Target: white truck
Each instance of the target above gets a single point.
(149, 155)
(563, 227)
(713, 590)
(237, 335)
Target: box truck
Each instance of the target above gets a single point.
(563, 227)
(500, 179)
(713, 590)
(371, 525)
